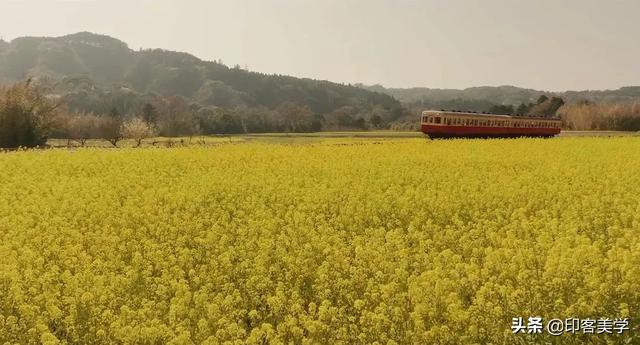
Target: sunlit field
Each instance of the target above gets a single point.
(330, 241)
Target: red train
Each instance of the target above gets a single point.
(458, 124)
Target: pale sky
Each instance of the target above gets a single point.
(542, 44)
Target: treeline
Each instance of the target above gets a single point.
(477, 98)
(544, 106)
(28, 118)
(587, 115)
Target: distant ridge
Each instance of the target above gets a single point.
(506, 95)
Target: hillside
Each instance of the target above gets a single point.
(96, 73)
(484, 97)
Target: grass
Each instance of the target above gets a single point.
(288, 138)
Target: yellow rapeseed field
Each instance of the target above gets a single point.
(335, 242)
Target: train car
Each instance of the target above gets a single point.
(459, 124)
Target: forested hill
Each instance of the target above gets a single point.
(96, 73)
(484, 98)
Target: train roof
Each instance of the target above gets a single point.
(475, 113)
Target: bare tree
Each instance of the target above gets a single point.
(110, 129)
(83, 127)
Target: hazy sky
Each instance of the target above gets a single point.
(542, 44)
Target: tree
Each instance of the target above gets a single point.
(26, 116)
(149, 114)
(110, 129)
(137, 129)
(542, 99)
(297, 118)
(548, 107)
(502, 109)
(375, 121)
(81, 127)
(523, 109)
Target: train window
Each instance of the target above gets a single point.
(437, 119)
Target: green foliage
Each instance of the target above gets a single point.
(502, 109)
(95, 73)
(474, 97)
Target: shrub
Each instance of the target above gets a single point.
(26, 116)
